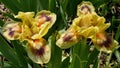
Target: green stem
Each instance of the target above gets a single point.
(108, 59)
(99, 59)
(104, 59)
(2, 61)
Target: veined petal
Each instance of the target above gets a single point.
(38, 51)
(76, 21)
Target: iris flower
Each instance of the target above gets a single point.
(88, 25)
(93, 26)
(32, 29)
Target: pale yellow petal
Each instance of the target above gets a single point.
(85, 7)
(67, 39)
(39, 52)
(46, 24)
(12, 30)
(26, 17)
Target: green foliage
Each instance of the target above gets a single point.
(80, 54)
(56, 54)
(8, 52)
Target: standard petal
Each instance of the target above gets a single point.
(101, 24)
(26, 17)
(89, 32)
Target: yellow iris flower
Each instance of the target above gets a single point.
(32, 29)
(88, 24)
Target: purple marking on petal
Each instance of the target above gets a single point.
(86, 6)
(67, 38)
(106, 43)
(39, 52)
(46, 17)
(10, 29)
(11, 33)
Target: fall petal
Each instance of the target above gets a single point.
(47, 15)
(12, 31)
(85, 8)
(67, 39)
(103, 42)
(38, 51)
(45, 21)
